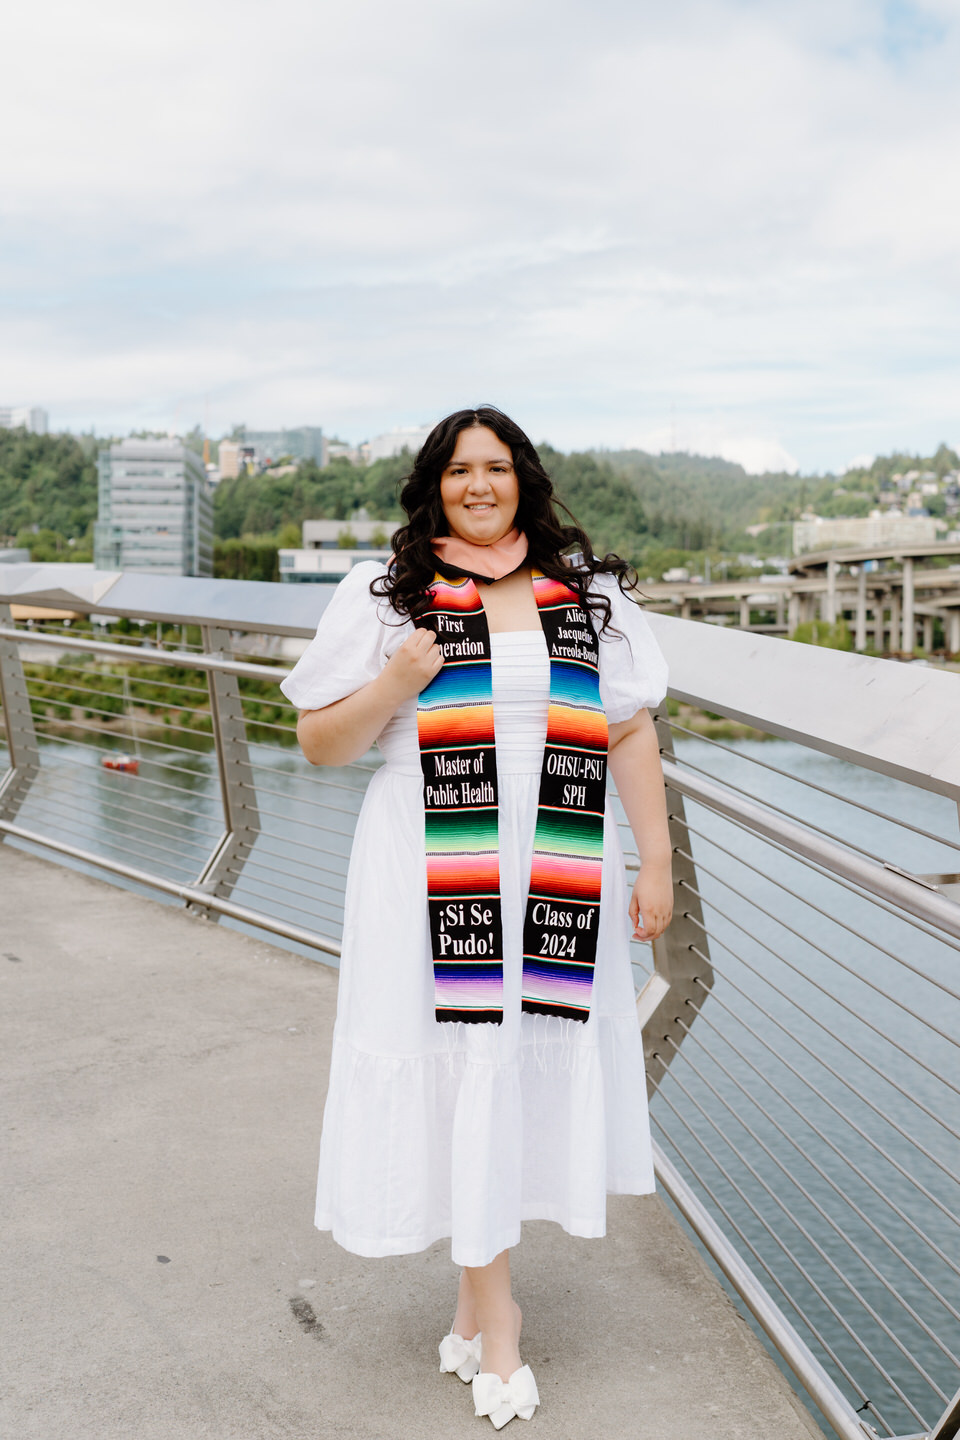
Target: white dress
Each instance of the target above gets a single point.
(434, 1130)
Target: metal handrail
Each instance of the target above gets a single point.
(818, 868)
(255, 849)
(825, 1140)
(811, 1374)
(907, 894)
(150, 655)
(785, 1249)
(834, 920)
(809, 784)
(689, 764)
(815, 1205)
(864, 979)
(189, 894)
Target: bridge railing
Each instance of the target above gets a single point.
(801, 1016)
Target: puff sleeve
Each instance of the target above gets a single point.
(633, 672)
(356, 636)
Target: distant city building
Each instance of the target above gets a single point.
(325, 567)
(31, 417)
(331, 548)
(229, 459)
(365, 534)
(306, 442)
(405, 437)
(816, 533)
(340, 450)
(155, 509)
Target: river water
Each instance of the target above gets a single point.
(816, 1095)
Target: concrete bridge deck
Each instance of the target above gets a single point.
(163, 1081)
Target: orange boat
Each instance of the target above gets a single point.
(127, 763)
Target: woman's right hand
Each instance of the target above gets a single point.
(411, 668)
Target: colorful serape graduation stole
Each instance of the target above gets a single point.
(458, 757)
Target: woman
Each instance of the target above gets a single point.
(487, 1064)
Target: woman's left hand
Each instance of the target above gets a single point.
(652, 901)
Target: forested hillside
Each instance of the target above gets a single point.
(261, 504)
(695, 502)
(655, 510)
(49, 481)
(603, 502)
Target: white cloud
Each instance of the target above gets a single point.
(595, 213)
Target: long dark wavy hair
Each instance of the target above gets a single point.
(415, 563)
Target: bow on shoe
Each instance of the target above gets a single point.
(502, 1399)
(459, 1355)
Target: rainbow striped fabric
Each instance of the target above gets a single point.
(458, 757)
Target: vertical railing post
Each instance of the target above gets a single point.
(238, 794)
(22, 747)
(681, 979)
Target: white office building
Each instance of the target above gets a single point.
(31, 417)
(155, 509)
(331, 548)
(405, 437)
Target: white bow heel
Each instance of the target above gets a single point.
(503, 1399)
(460, 1357)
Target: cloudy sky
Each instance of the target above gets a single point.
(726, 226)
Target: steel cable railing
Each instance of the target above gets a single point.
(791, 1147)
(157, 810)
(288, 904)
(847, 1239)
(807, 1091)
(904, 1050)
(324, 805)
(115, 781)
(153, 852)
(157, 681)
(809, 784)
(944, 941)
(878, 1192)
(782, 810)
(825, 1257)
(58, 805)
(263, 849)
(803, 1270)
(948, 1214)
(834, 919)
(803, 1315)
(871, 1105)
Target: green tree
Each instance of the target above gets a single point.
(603, 504)
(260, 504)
(821, 632)
(943, 460)
(250, 557)
(48, 481)
(48, 545)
